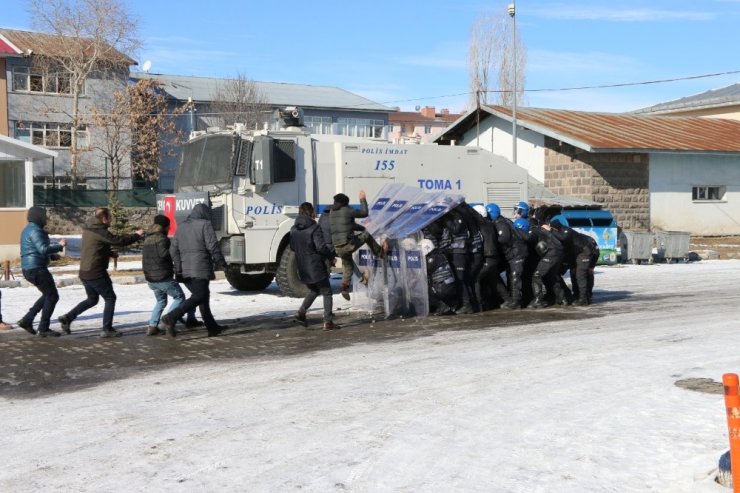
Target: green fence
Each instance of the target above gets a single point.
(56, 197)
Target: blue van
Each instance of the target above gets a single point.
(599, 224)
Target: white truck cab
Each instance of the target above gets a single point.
(255, 181)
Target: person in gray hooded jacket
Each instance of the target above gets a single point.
(195, 251)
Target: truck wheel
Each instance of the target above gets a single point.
(247, 282)
(287, 276)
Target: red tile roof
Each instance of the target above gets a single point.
(414, 117)
(6, 49)
(57, 46)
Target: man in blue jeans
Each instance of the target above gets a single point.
(95, 252)
(159, 272)
(36, 250)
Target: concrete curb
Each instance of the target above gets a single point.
(73, 281)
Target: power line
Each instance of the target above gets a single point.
(626, 84)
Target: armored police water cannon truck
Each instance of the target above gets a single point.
(256, 179)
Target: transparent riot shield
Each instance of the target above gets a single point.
(397, 285)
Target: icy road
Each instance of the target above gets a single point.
(620, 396)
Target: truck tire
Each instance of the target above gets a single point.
(287, 276)
(247, 282)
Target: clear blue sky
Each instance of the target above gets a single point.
(412, 53)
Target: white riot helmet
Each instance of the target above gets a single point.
(426, 245)
(480, 209)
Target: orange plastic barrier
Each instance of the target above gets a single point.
(732, 404)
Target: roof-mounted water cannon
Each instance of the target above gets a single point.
(290, 116)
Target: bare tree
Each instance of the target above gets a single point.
(85, 38)
(239, 100)
(490, 57)
(136, 127)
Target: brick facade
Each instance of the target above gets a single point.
(618, 181)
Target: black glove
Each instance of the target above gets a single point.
(179, 278)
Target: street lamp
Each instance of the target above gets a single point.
(512, 14)
(192, 109)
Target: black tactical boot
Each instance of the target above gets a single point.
(27, 326)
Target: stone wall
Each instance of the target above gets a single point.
(67, 220)
(619, 181)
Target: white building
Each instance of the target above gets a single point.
(652, 172)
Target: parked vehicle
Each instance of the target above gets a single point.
(595, 222)
(255, 181)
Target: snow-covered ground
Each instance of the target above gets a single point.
(585, 405)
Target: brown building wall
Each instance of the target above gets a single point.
(3, 100)
(12, 223)
(618, 181)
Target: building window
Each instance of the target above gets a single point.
(707, 193)
(318, 124)
(27, 79)
(49, 134)
(13, 184)
(360, 127)
(427, 129)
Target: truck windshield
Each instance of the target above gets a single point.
(205, 160)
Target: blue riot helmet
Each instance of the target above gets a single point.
(494, 211)
(521, 208)
(521, 223)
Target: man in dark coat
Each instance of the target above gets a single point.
(95, 252)
(514, 247)
(195, 251)
(546, 277)
(346, 242)
(492, 290)
(312, 252)
(36, 250)
(159, 272)
(581, 255)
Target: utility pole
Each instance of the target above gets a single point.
(512, 14)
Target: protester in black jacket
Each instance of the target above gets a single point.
(194, 251)
(581, 254)
(312, 252)
(344, 237)
(159, 272)
(95, 252)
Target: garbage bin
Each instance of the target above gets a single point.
(637, 246)
(672, 245)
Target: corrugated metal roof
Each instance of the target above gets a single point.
(724, 96)
(203, 89)
(50, 45)
(613, 132)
